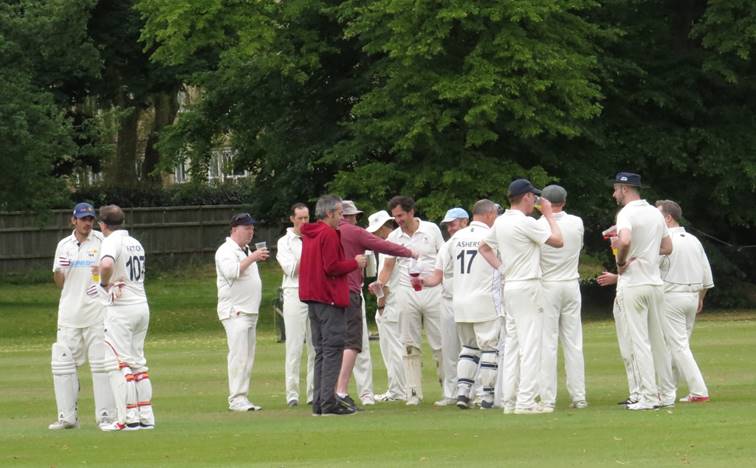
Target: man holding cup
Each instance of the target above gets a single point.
(419, 307)
(357, 240)
(239, 294)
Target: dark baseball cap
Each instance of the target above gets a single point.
(627, 178)
(521, 186)
(83, 210)
(242, 219)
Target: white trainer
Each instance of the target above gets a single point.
(641, 406)
(581, 404)
(367, 400)
(61, 424)
(535, 409)
(388, 396)
(445, 402)
(413, 399)
(244, 406)
(112, 427)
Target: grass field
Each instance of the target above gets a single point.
(186, 353)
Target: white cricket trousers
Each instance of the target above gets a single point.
(561, 323)
(418, 309)
(680, 310)
(643, 308)
(363, 364)
(125, 330)
(391, 348)
(450, 348)
(298, 335)
(522, 354)
(241, 335)
(626, 348)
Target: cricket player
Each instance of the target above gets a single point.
(387, 314)
(127, 316)
(513, 246)
(417, 307)
(642, 236)
(475, 284)
(687, 277)
(296, 321)
(623, 340)
(454, 220)
(239, 295)
(562, 300)
(81, 331)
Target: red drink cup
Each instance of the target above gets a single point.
(416, 282)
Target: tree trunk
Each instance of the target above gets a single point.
(122, 170)
(166, 107)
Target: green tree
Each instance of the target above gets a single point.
(43, 46)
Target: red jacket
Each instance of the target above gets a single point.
(323, 267)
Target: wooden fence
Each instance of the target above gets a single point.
(172, 235)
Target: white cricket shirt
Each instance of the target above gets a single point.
(647, 229)
(443, 264)
(517, 239)
(288, 255)
(426, 241)
(473, 279)
(76, 309)
(236, 292)
(562, 264)
(128, 266)
(687, 268)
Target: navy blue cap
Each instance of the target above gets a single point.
(521, 186)
(83, 210)
(243, 219)
(627, 178)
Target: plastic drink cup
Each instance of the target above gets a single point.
(377, 289)
(96, 278)
(538, 203)
(261, 245)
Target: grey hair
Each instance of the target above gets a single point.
(325, 205)
(484, 206)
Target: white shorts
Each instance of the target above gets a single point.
(125, 331)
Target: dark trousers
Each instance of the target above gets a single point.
(328, 325)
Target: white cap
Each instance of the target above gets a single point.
(349, 208)
(378, 219)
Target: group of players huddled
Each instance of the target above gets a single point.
(495, 299)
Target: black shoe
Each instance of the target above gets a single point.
(463, 402)
(484, 405)
(338, 410)
(628, 401)
(316, 411)
(347, 400)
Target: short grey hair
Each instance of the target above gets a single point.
(484, 206)
(325, 205)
